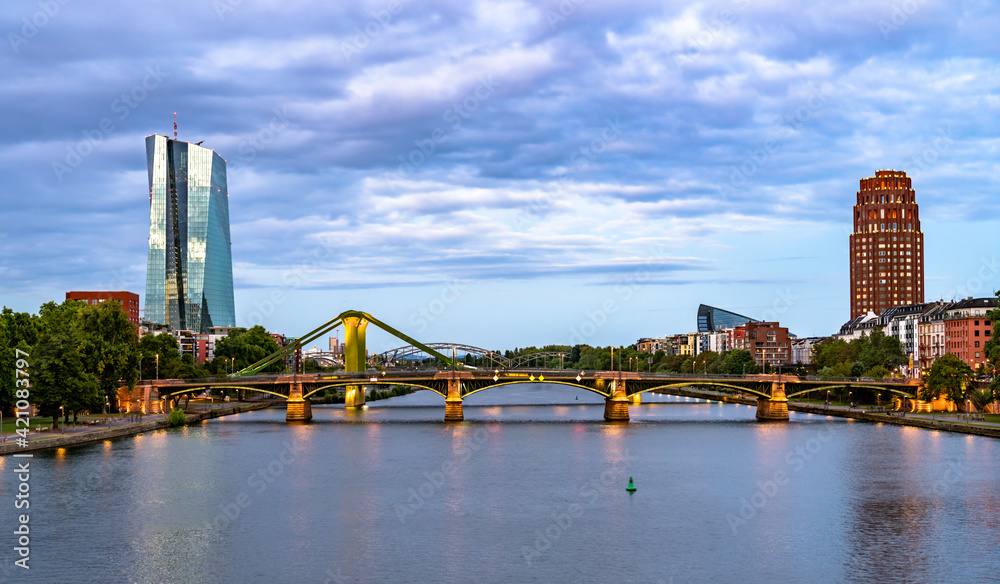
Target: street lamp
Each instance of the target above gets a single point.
(63, 427)
(157, 366)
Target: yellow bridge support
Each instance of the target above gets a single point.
(616, 404)
(775, 408)
(355, 358)
(453, 402)
(299, 408)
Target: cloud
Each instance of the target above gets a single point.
(491, 141)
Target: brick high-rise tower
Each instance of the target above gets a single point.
(887, 246)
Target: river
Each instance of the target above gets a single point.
(531, 488)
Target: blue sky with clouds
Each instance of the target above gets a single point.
(505, 173)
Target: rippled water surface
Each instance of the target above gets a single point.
(531, 488)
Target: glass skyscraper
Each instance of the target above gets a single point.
(189, 271)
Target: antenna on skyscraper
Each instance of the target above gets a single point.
(175, 125)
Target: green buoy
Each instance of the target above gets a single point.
(577, 397)
(631, 486)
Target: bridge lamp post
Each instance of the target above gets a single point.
(157, 366)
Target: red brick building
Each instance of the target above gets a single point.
(768, 342)
(967, 329)
(887, 246)
(128, 300)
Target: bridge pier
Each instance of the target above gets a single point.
(299, 408)
(354, 397)
(775, 408)
(635, 399)
(453, 401)
(616, 404)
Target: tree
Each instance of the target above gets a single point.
(59, 377)
(877, 349)
(983, 397)
(992, 349)
(109, 345)
(247, 346)
(18, 330)
(832, 352)
(159, 350)
(738, 362)
(948, 377)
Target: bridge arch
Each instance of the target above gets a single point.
(392, 355)
(554, 382)
(691, 383)
(204, 388)
(346, 383)
(853, 386)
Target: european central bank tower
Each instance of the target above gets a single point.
(189, 271)
(887, 246)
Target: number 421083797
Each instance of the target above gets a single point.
(23, 382)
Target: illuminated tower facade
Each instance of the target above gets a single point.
(189, 270)
(887, 246)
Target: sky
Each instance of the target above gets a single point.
(504, 174)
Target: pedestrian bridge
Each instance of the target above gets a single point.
(455, 383)
(619, 388)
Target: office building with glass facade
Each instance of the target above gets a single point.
(189, 271)
(712, 319)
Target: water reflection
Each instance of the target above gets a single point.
(391, 493)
